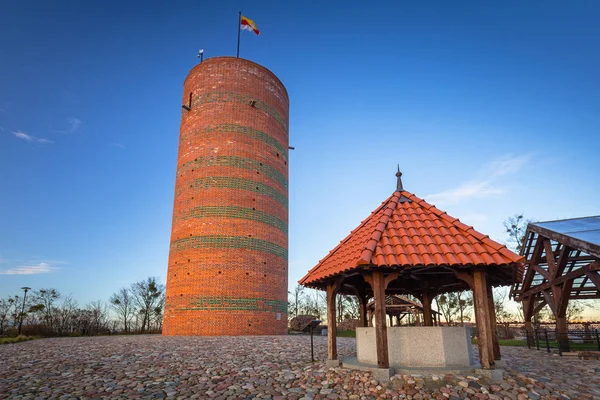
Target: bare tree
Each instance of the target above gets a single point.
(516, 226)
(123, 304)
(98, 311)
(65, 316)
(146, 296)
(8, 308)
(464, 302)
(47, 298)
(503, 314)
(447, 304)
(297, 298)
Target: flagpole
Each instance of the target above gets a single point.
(239, 29)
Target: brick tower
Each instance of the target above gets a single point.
(228, 261)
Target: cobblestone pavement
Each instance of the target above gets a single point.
(154, 367)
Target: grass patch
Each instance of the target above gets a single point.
(17, 339)
(553, 344)
(346, 334)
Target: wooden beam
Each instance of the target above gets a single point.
(541, 271)
(550, 257)
(392, 276)
(587, 247)
(563, 258)
(550, 301)
(568, 276)
(380, 321)
(563, 299)
(484, 334)
(535, 256)
(594, 277)
(331, 321)
(465, 277)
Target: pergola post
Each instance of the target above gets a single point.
(562, 331)
(527, 316)
(492, 311)
(331, 325)
(427, 298)
(380, 319)
(482, 317)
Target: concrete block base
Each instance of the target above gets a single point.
(500, 363)
(380, 374)
(497, 375)
(332, 363)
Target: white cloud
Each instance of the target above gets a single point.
(486, 182)
(74, 124)
(119, 145)
(41, 268)
(30, 138)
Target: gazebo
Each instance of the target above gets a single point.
(408, 246)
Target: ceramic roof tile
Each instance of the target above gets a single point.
(406, 234)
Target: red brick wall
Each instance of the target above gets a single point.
(228, 266)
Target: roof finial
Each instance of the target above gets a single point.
(399, 187)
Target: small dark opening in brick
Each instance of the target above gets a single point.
(188, 260)
(277, 154)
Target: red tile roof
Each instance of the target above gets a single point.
(406, 231)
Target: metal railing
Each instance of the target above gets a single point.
(573, 340)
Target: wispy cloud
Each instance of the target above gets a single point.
(3, 110)
(486, 182)
(30, 138)
(119, 145)
(73, 125)
(40, 268)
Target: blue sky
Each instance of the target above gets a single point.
(490, 108)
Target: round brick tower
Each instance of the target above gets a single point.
(228, 261)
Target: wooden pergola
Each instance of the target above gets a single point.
(562, 263)
(398, 307)
(409, 247)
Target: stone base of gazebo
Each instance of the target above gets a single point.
(419, 347)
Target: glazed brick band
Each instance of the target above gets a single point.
(236, 212)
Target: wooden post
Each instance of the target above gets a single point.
(380, 320)
(331, 326)
(562, 329)
(362, 309)
(492, 308)
(427, 299)
(484, 329)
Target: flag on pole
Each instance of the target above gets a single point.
(248, 25)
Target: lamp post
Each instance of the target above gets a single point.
(25, 289)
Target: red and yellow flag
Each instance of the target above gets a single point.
(248, 25)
